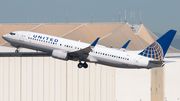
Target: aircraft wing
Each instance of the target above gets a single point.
(84, 53)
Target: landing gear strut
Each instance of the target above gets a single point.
(80, 65)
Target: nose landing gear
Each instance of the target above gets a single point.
(80, 65)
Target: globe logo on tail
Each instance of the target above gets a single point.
(153, 51)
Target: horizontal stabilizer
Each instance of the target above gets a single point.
(156, 62)
(172, 55)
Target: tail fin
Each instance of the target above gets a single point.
(158, 49)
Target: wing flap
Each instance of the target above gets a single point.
(156, 62)
(84, 52)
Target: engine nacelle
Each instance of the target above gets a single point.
(60, 54)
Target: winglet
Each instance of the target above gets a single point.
(95, 42)
(158, 49)
(126, 44)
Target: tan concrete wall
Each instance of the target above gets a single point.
(157, 84)
(48, 79)
(133, 84)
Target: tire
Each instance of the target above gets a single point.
(85, 65)
(80, 65)
(16, 51)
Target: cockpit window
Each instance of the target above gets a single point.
(12, 33)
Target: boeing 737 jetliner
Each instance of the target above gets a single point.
(66, 49)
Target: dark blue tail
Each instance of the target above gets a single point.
(158, 49)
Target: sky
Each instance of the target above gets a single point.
(157, 15)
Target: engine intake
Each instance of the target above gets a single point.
(60, 54)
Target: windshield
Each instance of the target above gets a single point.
(12, 33)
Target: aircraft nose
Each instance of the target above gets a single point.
(4, 36)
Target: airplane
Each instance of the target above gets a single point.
(66, 49)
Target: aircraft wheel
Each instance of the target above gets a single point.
(85, 65)
(80, 65)
(16, 51)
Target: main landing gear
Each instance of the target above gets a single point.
(17, 51)
(80, 65)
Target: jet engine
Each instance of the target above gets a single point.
(60, 54)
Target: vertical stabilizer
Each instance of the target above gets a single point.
(158, 49)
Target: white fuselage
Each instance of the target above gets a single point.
(103, 55)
